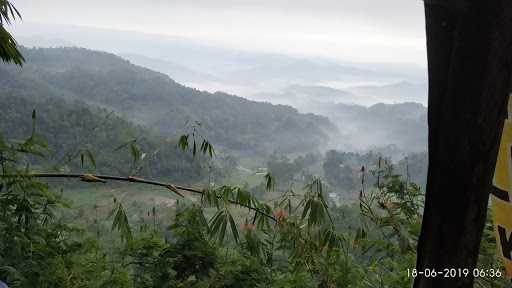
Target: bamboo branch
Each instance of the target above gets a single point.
(93, 178)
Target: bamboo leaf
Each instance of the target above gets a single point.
(215, 222)
(306, 208)
(121, 224)
(135, 152)
(183, 142)
(204, 146)
(90, 156)
(211, 151)
(269, 182)
(223, 228)
(234, 229)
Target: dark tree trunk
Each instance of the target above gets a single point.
(469, 47)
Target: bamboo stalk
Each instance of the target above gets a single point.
(94, 178)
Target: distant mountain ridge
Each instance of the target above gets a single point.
(236, 71)
(300, 96)
(176, 71)
(365, 95)
(403, 125)
(402, 91)
(153, 99)
(363, 124)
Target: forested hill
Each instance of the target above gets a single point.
(155, 100)
(73, 129)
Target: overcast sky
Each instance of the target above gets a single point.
(389, 31)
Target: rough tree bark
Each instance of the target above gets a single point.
(469, 46)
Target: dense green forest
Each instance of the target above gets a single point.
(291, 237)
(273, 210)
(75, 131)
(260, 220)
(153, 99)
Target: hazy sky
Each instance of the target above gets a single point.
(349, 30)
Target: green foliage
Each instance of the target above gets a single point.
(190, 255)
(8, 12)
(151, 98)
(36, 249)
(219, 222)
(282, 168)
(315, 206)
(8, 47)
(227, 238)
(270, 182)
(120, 221)
(206, 147)
(338, 170)
(300, 241)
(81, 138)
(240, 271)
(295, 240)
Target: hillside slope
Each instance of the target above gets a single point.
(71, 128)
(155, 100)
(361, 125)
(403, 125)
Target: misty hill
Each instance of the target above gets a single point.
(301, 97)
(176, 71)
(155, 100)
(393, 93)
(71, 127)
(278, 71)
(403, 125)
(296, 70)
(235, 71)
(362, 126)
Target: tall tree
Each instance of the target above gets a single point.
(469, 47)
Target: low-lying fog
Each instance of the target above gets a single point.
(372, 104)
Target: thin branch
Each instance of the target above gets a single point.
(102, 179)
